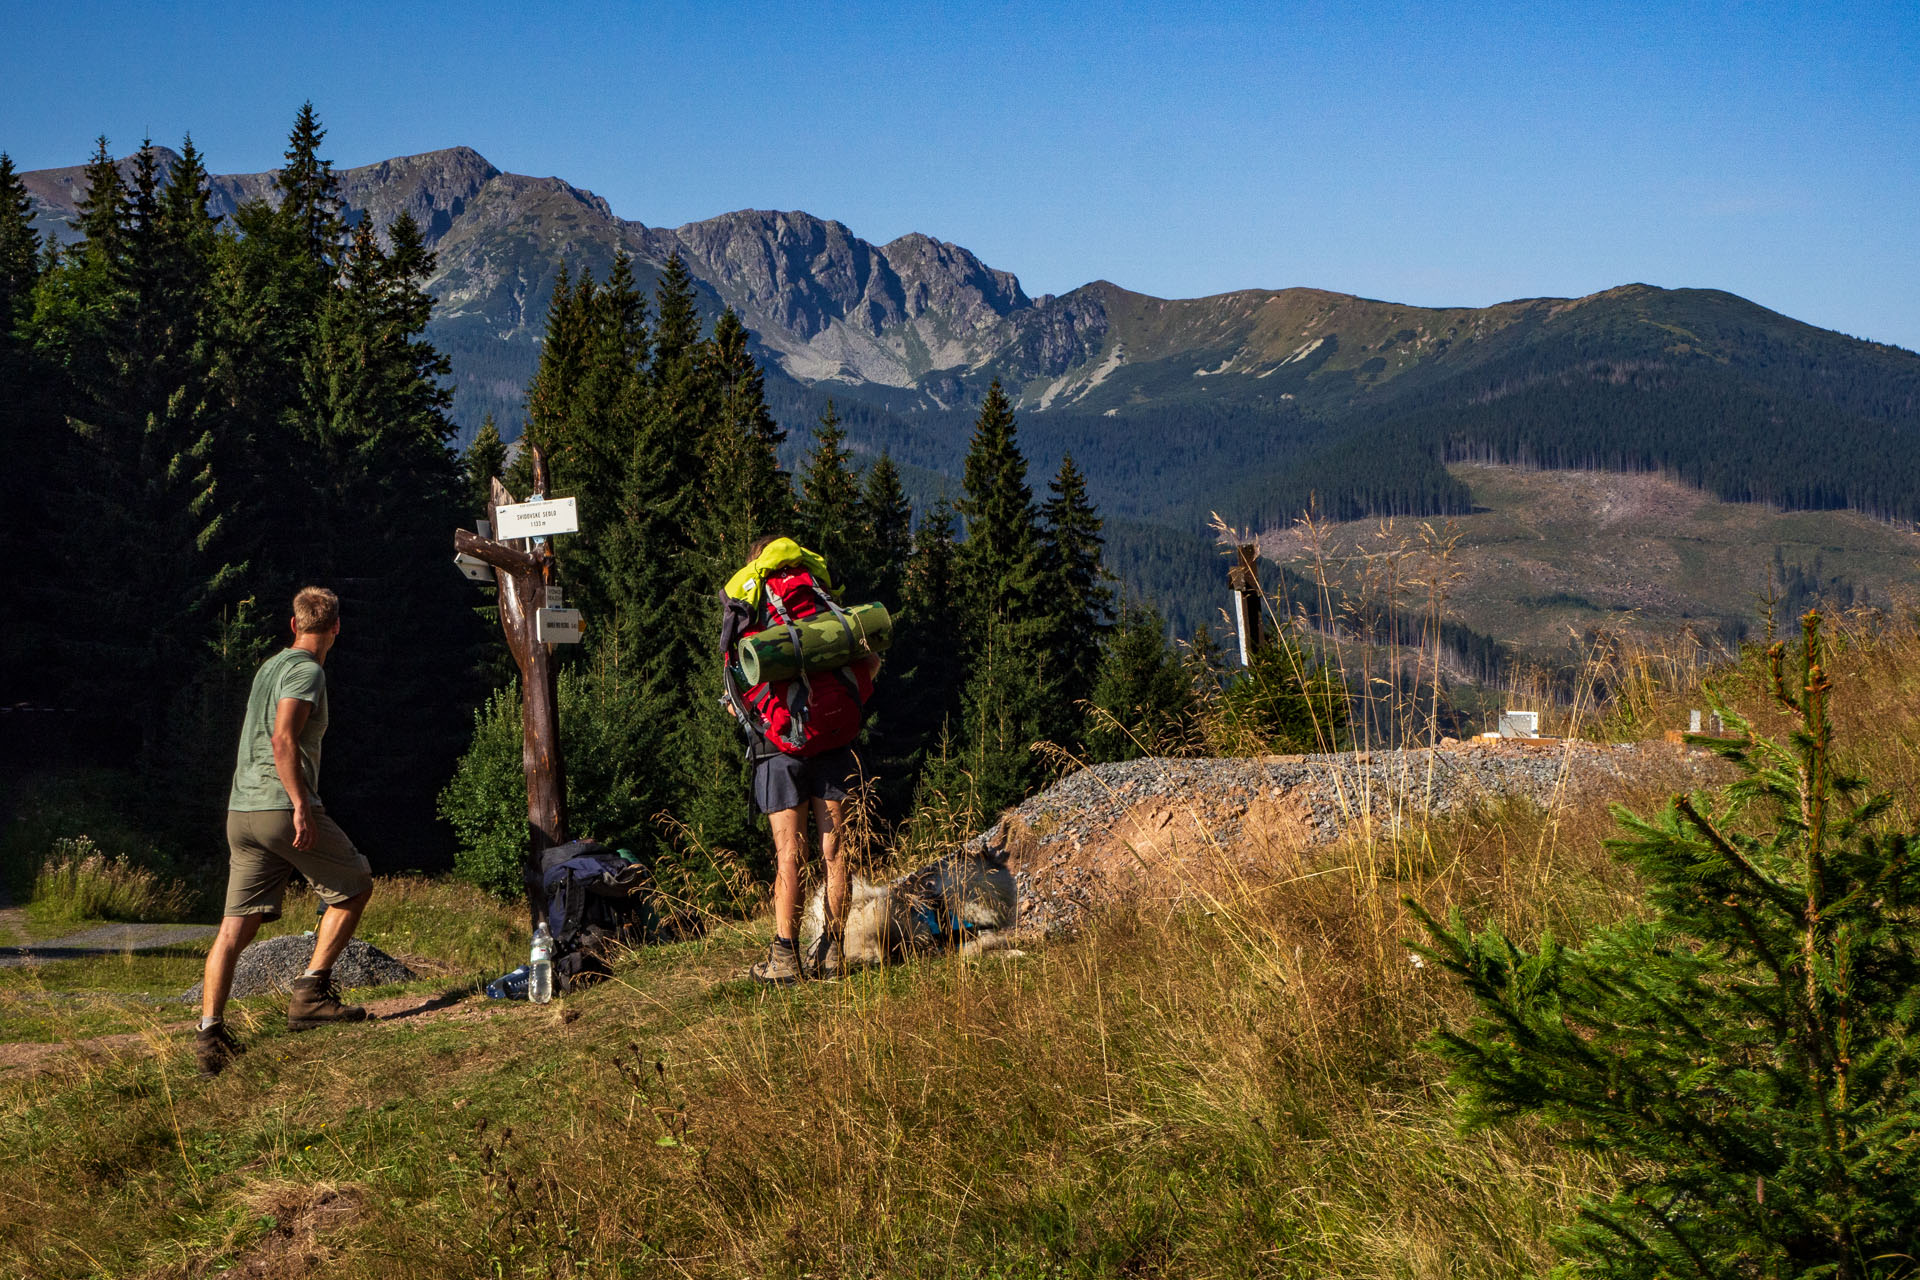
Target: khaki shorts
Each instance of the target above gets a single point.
(263, 859)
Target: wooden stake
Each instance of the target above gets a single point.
(523, 569)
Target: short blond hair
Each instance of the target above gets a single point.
(315, 610)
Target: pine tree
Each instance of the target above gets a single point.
(28, 422)
(659, 592)
(830, 515)
(1004, 700)
(999, 560)
(1142, 697)
(103, 210)
(19, 248)
(310, 205)
(747, 495)
(486, 461)
(887, 518)
(140, 520)
(1075, 602)
(1749, 1057)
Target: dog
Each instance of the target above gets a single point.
(965, 901)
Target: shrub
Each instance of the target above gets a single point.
(602, 725)
(486, 802)
(80, 882)
(1753, 1047)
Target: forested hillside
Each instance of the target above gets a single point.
(219, 411)
(1246, 402)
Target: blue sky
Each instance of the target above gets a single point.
(1433, 154)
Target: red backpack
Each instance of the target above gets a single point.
(812, 713)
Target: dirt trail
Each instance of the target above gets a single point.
(169, 1037)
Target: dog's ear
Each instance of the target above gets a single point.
(995, 856)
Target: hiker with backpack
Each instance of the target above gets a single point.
(800, 733)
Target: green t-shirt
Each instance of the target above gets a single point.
(291, 673)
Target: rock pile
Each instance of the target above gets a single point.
(1106, 830)
(272, 964)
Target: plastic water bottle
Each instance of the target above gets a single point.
(510, 986)
(540, 980)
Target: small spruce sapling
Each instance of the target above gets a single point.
(1751, 1049)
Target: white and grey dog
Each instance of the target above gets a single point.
(964, 901)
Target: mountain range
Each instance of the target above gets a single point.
(1253, 403)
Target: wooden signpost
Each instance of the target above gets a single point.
(1244, 578)
(522, 561)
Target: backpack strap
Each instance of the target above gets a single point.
(781, 612)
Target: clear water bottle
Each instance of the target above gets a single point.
(540, 979)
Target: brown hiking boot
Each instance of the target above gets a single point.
(316, 1002)
(214, 1047)
(824, 957)
(782, 964)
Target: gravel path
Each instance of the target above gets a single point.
(105, 940)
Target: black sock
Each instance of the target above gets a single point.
(779, 941)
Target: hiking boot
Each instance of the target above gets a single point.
(782, 964)
(824, 957)
(214, 1047)
(316, 1002)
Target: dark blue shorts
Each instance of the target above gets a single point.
(787, 782)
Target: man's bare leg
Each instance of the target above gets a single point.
(336, 930)
(789, 851)
(235, 933)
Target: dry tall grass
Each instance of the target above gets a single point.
(79, 881)
(1235, 1086)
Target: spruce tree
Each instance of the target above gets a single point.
(1004, 698)
(1749, 1053)
(1143, 701)
(28, 422)
(310, 204)
(19, 248)
(140, 522)
(486, 461)
(1000, 558)
(887, 518)
(660, 591)
(747, 495)
(103, 210)
(830, 517)
(1075, 602)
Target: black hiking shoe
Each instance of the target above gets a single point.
(214, 1047)
(781, 966)
(316, 1003)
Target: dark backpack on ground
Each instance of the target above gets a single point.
(596, 901)
(812, 713)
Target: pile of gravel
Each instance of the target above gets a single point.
(272, 964)
(1329, 792)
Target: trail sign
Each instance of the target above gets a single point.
(536, 519)
(474, 567)
(557, 626)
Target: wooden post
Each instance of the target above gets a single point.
(523, 569)
(1244, 578)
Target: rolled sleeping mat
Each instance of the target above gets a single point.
(825, 643)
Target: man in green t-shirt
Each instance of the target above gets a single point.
(276, 826)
